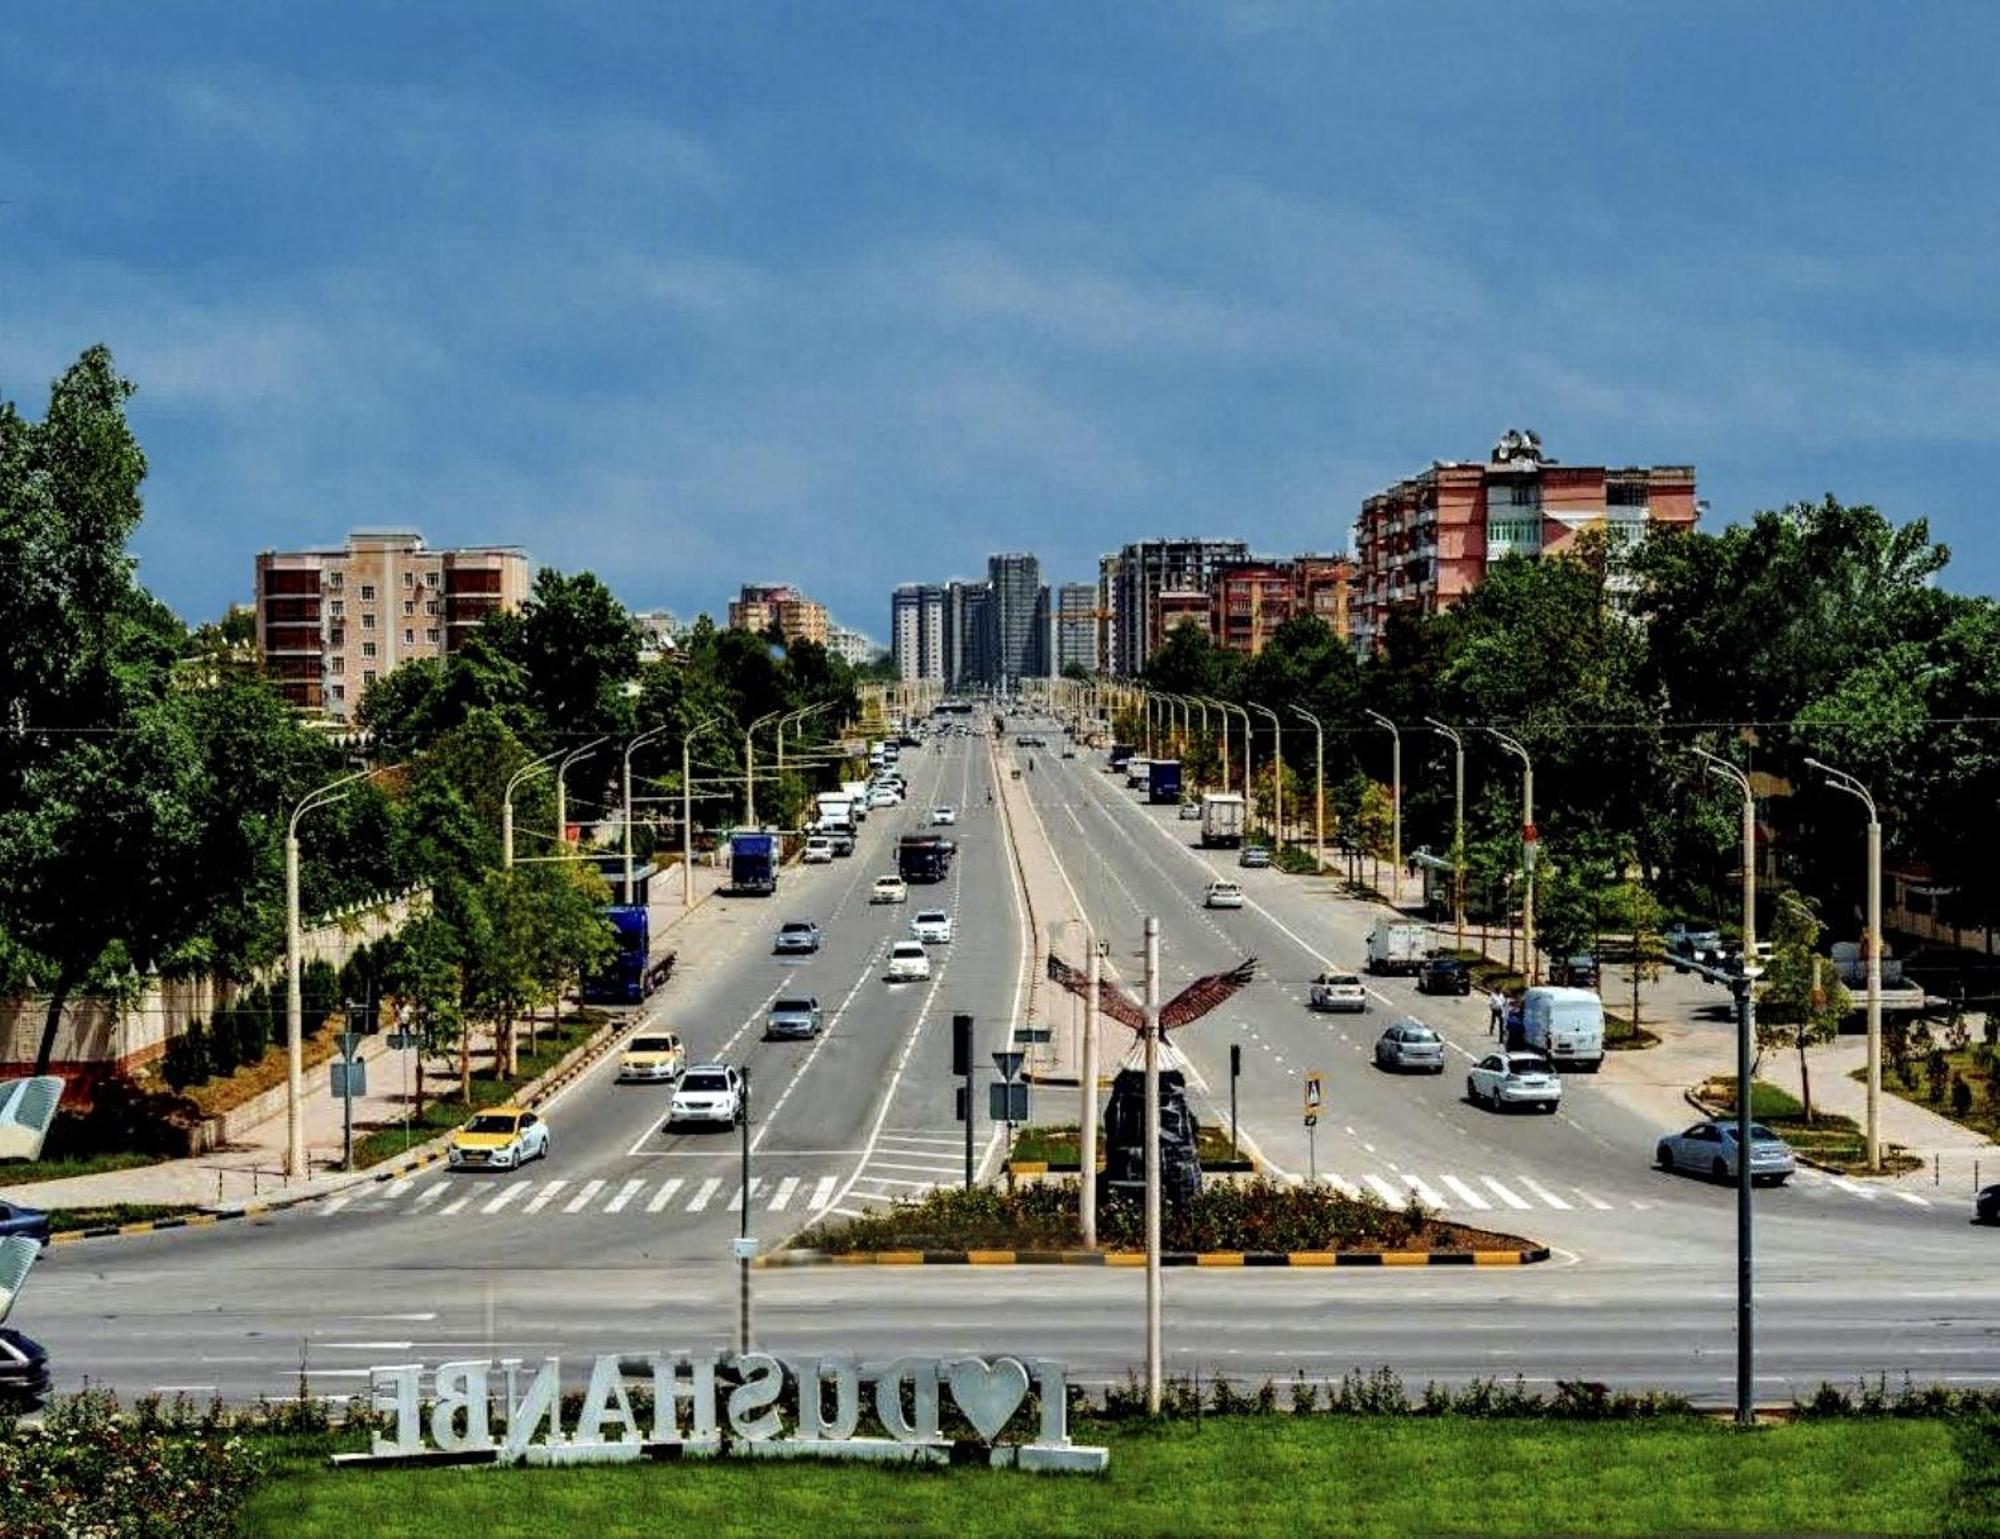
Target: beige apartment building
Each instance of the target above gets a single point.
(762, 605)
(330, 622)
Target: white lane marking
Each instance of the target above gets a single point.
(1504, 1195)
(736, 1201)
(912, 1138)
(822, 1193)
(1385, 1191)
(581, 1200)
(1425, 1193)
(429, 1195)
(703, 1193)
(399, 1187)
(659, 1200)
(626, 1193)
(346, 1197)
(852, 1212)
(1541, 1191)
(453, 1207)
(1342, 1183)
(935, 1167)
(506, 1195)
(922, 1186)
(784, 1193)
(1912, 1198)
(1601, 1206)
(547, 1192)
(1848, 1186)
(1472, 1198)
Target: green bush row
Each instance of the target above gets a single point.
(242, 1031)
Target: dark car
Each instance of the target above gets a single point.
(1125, 1138)
(1444, 975)
(1574, 972)
(1986, 1206)
(24, 1371)
(16, 1219)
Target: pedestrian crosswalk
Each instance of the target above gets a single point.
(905, 1163)
(1519, 1192)
(801, 1195)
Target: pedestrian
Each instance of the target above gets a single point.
(1496, 1011)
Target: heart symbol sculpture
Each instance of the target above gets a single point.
(987, 1394)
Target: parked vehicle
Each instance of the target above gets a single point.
(1579, 972)
(1125, 1138)
(499, 1138)
(889, 889)
(1986, 1206)
(24, 1371)
(1565, 1024)
(818, 851)
(796, 937)
(1396, 948)
(1221, 821)
(1163, 782)
(658, 1055)
(791, 1018)
(933, 926)
(909, 962)
(1504, 1080)
(19, 1218)
(856, 792)
(1444, 975)
(1190, 812)
(1702, 946)
(1410, 1044)
(1254, 858)
(1339, 992)
(753, 863)
(1709, 1149)
(924, 857)
(1120, 754)
(1223, 895)
(710, 1095)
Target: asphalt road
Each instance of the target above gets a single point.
(621, 1240)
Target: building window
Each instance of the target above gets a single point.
(409, 638)
(340, 691)
(333, 581)
(368, 650)
(409, 579)
(1625, 494)
(431, 636)
(409, 606)
(367, 591)
(338, 638)
(430, 606)
(430, 579)
(336, 609)
(367, 678)
(1520, 495)
(339, 665)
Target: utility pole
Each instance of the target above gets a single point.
(562, 798)
(1395, 799)
(1319, 788)
(1087, 1125)
(1746, 1351)
(1842, 781)
(1154, 1375)
(1277, 777)
(743, 1248)
(1457, 826)
(1529, 838)
(625, 817)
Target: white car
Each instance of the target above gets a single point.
(1224, 895)
(819, 852)
(909, 962)
(1501, 1080)
(882, 797)
(943, 815)
(933, 926)
(889, 889)
(709, 1094)
(1339, 991)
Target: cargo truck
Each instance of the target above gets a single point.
(1397, 948)
(1120, 752)
(924, 857)
(1221, 821)
(753, 863)
(630, 975)
(1163, 788)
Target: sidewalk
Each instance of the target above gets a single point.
(252, 1169)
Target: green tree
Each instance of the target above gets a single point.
(1802, 1000)
(423, 975)
(580, 650)
(1641, 915)
(573, 939)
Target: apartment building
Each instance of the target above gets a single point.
(1108, 569)
(917, 632)
(1075, 641)
(330, 622)
(1249, 600)
(856, 648)
(1018, 616)
(760, 606)
(1424, 543)
(1141, 574)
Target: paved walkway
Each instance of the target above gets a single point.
(252, 1169)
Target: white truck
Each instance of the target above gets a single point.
(1221, 821)
(836, 812)
(856, 792)
(1138, 772)
(1397, 947)
(1564, 1025)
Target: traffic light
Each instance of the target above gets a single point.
(961, 1044)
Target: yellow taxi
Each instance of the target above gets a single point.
(499, 1138)
(654, 1056)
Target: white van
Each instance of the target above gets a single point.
(1395, 947)
(1565, 1024)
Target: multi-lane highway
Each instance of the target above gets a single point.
(621, 1239)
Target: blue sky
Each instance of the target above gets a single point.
(851, 293)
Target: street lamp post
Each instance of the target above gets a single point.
(626, 816)
(1529, 839)
(798, 718)
(1202, 705)
(295, 1131)
(1395, 799)
(1457, 825)
(1319, 788)
(687, 810)
(1154, 1374)
(1277, 774)
(562, 795)
(1249, 795)
(532, 768)
(1842, 781)
(750, 765)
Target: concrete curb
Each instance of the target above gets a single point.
(1174, 1258)
(584, 1057)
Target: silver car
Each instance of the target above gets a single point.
(1501, 1080)
(792, 1018)
(1410, 1044)
(1709, 1149)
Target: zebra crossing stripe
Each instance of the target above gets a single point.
(626, 1193)
(1912, 1198)
(338, 1203)
(1472, 1198)
(702, 1195)
(506, 1195)
(456, 1205)
(581, 1200)
(1385, 1191)
(1597, 1203)
(1849, 1186)
(1543, 1192)
(736, 1202)
(547, 1194)
(785, 1189)
(822, 1193)
(1504, 1195)
(399, 1186)
(660, 1199)
(1425, 1193)
(430, 1194)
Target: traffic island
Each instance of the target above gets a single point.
(1257, 1223)
(1828, 1141)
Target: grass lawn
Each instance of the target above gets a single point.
(1830, 1139)
(26, 1172)
(1242, 1476)
(1969, 1064)
(1057, 1144)
(61, 1219)
(443, 1110)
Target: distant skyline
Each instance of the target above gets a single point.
(854, 295)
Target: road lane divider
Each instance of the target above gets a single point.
(1526, 1255)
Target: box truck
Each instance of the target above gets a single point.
(1221, 820)
(1163, 787)
(753, 863)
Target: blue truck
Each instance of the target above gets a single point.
(1163, 787)
(753, 863)
(622, 981)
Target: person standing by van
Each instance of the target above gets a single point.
(1496, 1011)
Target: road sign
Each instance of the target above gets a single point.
(350, 1081)
(1314, 1093)
(959, 1097)
(350, 1043)
(961, 1044)
(1312, 1119)
(1009, 1064)
(1007, 1103)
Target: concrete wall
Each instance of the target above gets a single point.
(96, 1039)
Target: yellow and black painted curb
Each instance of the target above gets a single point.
(1175, 1258)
